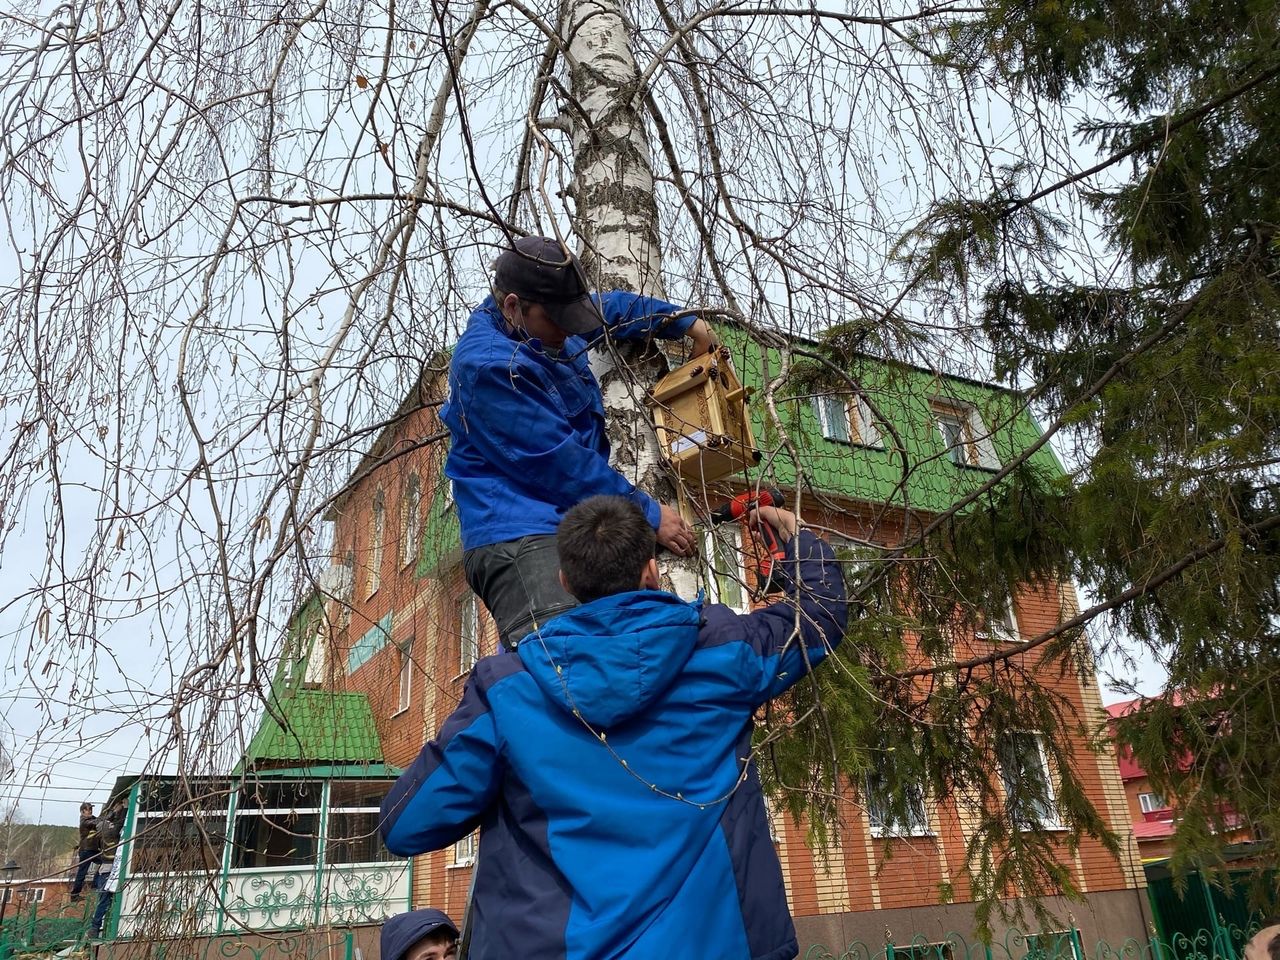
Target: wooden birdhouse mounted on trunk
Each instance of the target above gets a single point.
(700, 411)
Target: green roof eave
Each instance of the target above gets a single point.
(315, 726)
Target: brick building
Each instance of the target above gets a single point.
(1152, 816)
(405, 630)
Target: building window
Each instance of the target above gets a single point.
(343, 588)
(722, 546)
(464, 851)
(179, 841)
(1028, 783)
(354, 816)
(411, 520)
(913, 821)
(965, 436)
(32, 895)
(277, 824)
(468, 632)
(846, 420)
(377, 533)
(406, 675)
(181, 826)
(1002, 628)
(1151, 802)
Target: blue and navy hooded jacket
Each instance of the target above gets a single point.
(607, 764)
(527, 426)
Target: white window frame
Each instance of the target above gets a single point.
(33, 895)
(833, 417)
(975, 448)
(856, 421)
(465, 850)
(404, 678)
(1054, 820)
(1005, 631)
(1151, 802)
(411, 520)
(880, 829)
(731, 535)
(468, 623)
(377, 538)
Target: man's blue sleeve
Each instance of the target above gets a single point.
(512, 419)
(442, 796)
(630, 316)
(779, 655)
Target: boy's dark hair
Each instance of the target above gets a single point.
(438, 935)
(604, 543)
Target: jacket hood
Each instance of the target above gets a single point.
(611, 658)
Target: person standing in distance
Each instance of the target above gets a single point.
(527, 429)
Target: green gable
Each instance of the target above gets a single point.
(904, 395)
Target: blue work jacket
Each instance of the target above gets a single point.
(527, 427)
(606, 763)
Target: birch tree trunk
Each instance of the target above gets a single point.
(617, 219)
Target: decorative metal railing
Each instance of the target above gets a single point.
(1224, 942)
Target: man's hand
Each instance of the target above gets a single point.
(674, 533)
(783, 521)
(702, 338)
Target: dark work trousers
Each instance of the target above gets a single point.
(86, 859)
(519, 582)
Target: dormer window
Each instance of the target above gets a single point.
(964, 435)
(847, 419)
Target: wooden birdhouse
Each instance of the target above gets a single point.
(700, 411)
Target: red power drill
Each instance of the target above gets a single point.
(739, 507)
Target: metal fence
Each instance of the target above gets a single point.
(1225, 941)
(65, 935)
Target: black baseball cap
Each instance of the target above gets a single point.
(540, 270)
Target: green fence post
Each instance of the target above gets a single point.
(1154, 941)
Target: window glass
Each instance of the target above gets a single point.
(406, 675)
(464, 851)
(723, 550)
(280, 839)
(280, 795)
(469, 632)
(952, 428)
(178, 843)
(376, 536)
(411, 533)
(833, 417)
(1028, 786)
(358, 793)
(914, 821)
(354, 838)
(1151, 802)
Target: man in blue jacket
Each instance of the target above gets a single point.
(607, 761)
(526, 422)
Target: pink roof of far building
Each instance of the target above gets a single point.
(1129, 768)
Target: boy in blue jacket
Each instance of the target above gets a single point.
(526, 422)
(607, 761)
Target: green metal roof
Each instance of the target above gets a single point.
(319, 726)
(903, 394)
